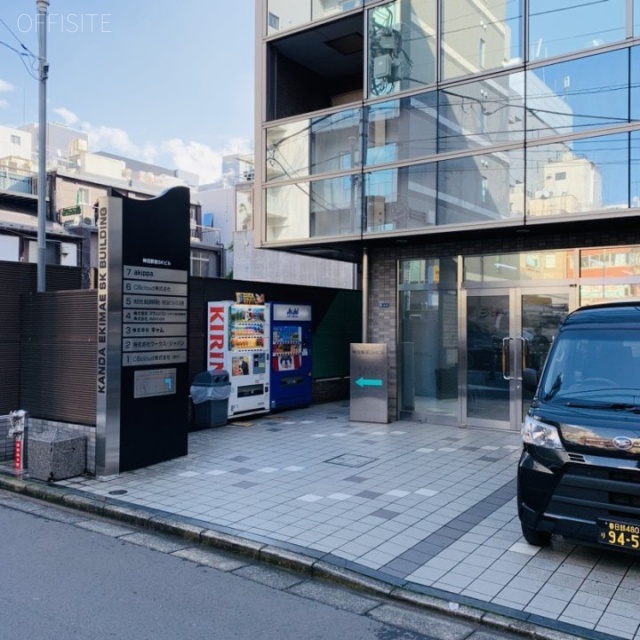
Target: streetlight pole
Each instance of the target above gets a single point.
(42, 5)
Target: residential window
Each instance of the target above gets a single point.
(202, 264)
(83, 195)
(16, 140)
(273, 21)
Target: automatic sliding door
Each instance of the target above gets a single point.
(505, 332)
(487, 389)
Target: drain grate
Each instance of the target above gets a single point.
(351, 460)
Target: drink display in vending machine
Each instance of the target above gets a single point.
(290, 356)
(238, 342)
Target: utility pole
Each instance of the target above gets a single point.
(42, 5)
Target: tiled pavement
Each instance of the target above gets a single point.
(430, 507)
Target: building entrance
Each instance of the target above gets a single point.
(468, 325)
(501, 332)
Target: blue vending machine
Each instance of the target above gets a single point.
(290, 356)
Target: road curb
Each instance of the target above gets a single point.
(269, 553)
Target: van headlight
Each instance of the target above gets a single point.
(540, 434)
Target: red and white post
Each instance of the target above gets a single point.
(17, 429)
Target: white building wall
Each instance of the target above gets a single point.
(15, 142)
(221, 203)
(9, 248)
(102, 166)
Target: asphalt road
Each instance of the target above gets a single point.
(67, 575)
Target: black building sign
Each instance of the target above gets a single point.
(143, 288)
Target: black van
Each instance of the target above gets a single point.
(579, 473)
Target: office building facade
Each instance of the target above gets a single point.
(480, 159)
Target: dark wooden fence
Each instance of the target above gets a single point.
(48, 340)
(18, 280)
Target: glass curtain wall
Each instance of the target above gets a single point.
(550, 140)
(479, 36)
(557, 27)
(402, 46)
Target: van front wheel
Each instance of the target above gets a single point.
(536, 538)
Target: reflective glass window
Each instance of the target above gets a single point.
(479, 36)
(318, 145)
(401, 129)
(634, 171)
(635, 81)
(284, 14)
(428, 351)
(574, 177)
(562, 26)
(531, 266)
(610, 262)
(594, 293)
(401, 198)
(314, 209)
(287, 14)
(429, 271)
(578, 95)
(335, 206)
(483, 188)
(402, 49)
(480, 113)
(288, 212)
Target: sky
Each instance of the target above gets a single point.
(162, 81)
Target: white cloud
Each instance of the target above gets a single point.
(195, 157)
(5, 87)
(69, 117)
(237, 145)
(117, 141)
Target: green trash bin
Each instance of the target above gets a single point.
(210, 392)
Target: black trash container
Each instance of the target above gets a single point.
(210, 392)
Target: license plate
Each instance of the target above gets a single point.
(614, 533)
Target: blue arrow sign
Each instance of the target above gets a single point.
(364, 382)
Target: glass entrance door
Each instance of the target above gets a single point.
(504, 331)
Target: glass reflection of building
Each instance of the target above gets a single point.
(460, 145)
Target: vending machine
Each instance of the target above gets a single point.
(238, 341)
(290, 356)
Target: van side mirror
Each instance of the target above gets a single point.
(530, 379)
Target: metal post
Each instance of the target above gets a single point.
(365, 295)
(17, 430)
(42, 5)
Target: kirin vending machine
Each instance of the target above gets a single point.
(290, 356)
(238, 341)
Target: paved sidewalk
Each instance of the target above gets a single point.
(425, 507)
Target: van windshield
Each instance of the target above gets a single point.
(599, 364)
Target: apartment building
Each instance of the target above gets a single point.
(478, 159)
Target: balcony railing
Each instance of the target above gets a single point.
(18, 180)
